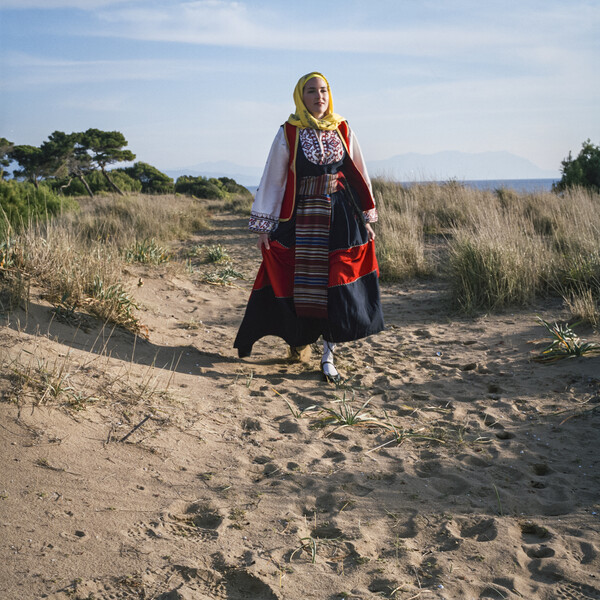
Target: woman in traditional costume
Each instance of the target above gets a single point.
(313, 212)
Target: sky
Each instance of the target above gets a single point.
(198, 81)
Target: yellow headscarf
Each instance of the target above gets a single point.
(302, 117)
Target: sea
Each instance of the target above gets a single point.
(521, 186)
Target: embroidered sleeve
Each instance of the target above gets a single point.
(262, 223)
(371, 215)
(266, 207)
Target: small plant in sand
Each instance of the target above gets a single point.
(565, 343)
(309, 544)
(40, 380)
(401, 435)
(146, 252)
(224, 276)
(216, 254)
(346, 415)
(113, 303)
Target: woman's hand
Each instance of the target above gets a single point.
(370, 231)
(263, 240)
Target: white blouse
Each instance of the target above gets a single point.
(320, 147)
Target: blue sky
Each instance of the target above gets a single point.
(208, 80)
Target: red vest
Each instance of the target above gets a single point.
(351, 172)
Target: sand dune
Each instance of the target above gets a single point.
(178, 471)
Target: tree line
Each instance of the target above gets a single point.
(80, 163)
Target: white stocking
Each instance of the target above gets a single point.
(327, 365)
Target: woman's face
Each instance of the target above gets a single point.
(316, 97)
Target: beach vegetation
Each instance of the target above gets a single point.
(34, 164)
(309, 545)
(582, 171)
(494, 248)
(80, 163)
(105, 148)
(146, 252)
(152, 181)
(216, 253)
(222, 188)
(345, 414)
(223, 276)
(21, 204)
(76, 259)
(564, 343)
(5, 159)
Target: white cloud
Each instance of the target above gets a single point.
(225, 23)
(241, 24)
(57, 4)
(31, 71)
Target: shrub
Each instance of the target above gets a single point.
(583, 171)
(21, 203)
(232, 187)
(200, 187)
(151, 179)
(123, 219)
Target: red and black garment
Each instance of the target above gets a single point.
(320, 276)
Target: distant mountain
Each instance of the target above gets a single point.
(248, 176)
(442, 166)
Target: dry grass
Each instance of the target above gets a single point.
(500, 248)
(120, 220)
(496, 249)
(401, 247)
(496, 260)
(76, 260)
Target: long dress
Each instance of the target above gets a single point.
(294, 296)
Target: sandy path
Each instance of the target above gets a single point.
(222, 493)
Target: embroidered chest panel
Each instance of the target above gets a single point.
(321, 148)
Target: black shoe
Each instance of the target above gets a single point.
(337, 378)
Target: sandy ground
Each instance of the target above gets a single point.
(224, 491)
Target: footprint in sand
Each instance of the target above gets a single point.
(405, 528)
(480, 529)
(238, 583)
(445, 483)
(114, 588)
(327, 531)
(449, 537)
(503, 588)
(542, 551)
(533, 533)
(588, 552)
(289, 426)
(334, 455)
(562, 588)
(197, 519)
(383, 587)
(570, 590)
(76, 536)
